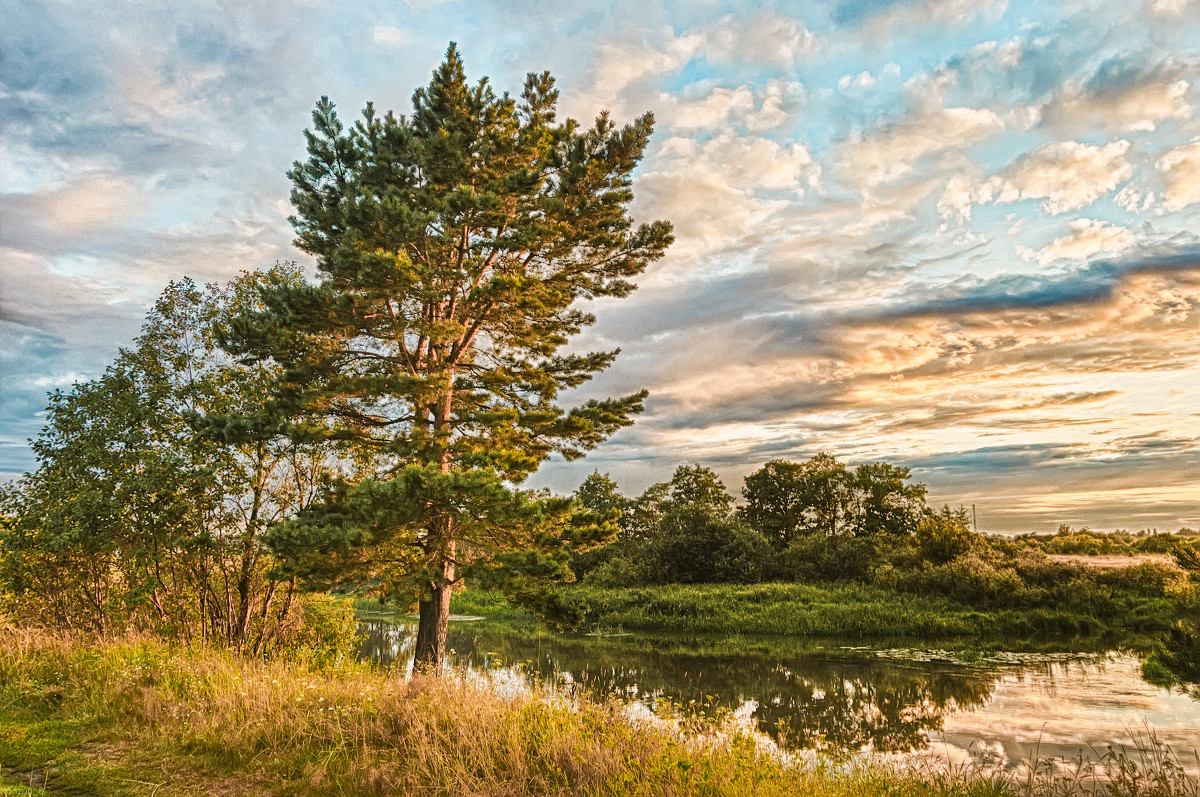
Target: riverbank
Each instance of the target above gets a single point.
(1083, 622)
(138, 716)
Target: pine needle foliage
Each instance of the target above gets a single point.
(455, 246)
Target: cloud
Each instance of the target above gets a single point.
(899, 18)
(1088, 237)
(620, 65)
(66, 212)
(1172, 8)
(766, 38)
(958, 197)
(889, 153)
(749, 162)
(741, 107)
(389, 36)
(1067, 175)
(1181, 169)
(811, 300)
(1123, 95)
(713, 111)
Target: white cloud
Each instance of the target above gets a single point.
(862, 80)
(94, 201)
(708, 212)
(1133, 200)
(1181, 170)
(942, 13)
(888, 154)
(957, 199)
(1088, 237)
(620, 65)
(388, 36)
(713, 111)
(746, 162)
(1067, 175)
(1173, 8)
(724, 107)
(1140, 105)
(769, 38)
(777, 96)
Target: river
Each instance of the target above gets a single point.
(999, 709)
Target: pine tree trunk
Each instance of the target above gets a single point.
(434, 620)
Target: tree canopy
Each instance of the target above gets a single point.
(822, 497)
(454, 248)
(136, 518)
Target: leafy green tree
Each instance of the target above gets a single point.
(601, 497)
(685, 533)
(887, 504)
(697, 488)
(136, 519)
(1176, 658)
(777, 497)
(787, 499)
(823, 498)
(644, 513)
(454, 247)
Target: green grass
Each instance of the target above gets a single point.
(139, 717)
(1082, 620)
(864, 612)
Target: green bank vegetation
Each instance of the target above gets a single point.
(139, 716)
(820, 549)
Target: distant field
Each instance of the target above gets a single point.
(1110, 562)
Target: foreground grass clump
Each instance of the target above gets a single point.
(137, 716)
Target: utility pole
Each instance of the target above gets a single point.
(974, 522)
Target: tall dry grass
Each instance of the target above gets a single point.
(293, 727)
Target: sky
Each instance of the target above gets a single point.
(962, 236)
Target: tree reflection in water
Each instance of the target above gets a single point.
(804, 701)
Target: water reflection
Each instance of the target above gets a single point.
(1056, 705)
(805, 702)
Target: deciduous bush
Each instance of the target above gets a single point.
(696, 547)
(1149, 579)
(971, 579)
(814, 558)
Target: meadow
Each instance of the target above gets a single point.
(140, 716)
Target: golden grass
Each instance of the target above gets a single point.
(205, 720)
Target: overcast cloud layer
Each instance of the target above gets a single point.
(959, 235)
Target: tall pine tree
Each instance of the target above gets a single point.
(454, 248)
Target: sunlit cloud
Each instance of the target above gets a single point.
(954, 234)
(1181, 170)
(1066, 175)
(896, 151)
(1088, 237)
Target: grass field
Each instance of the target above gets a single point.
(140, 717)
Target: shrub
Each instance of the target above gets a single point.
(696, 547)
(944, 536)
(1037, 569)
(970, 579)
(814, 558)
(619, 571)
(1149, 579)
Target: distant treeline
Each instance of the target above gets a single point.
(821, 521)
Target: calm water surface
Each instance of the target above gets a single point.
(1001, 708)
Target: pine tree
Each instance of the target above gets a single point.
(454, 247)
